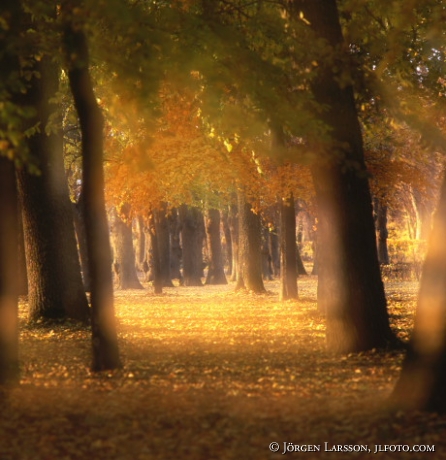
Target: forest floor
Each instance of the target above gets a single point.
(211, 374)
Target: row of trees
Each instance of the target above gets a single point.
(293, 78)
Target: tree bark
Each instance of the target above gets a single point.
(423, 376)
(216, 272)
(104, 337)
(350, 288)
(267, 266)
(79, 225)
(9, 337)
(140, 246)
(55, 288)
(192, 244)
(9, 218)
(234, 229)
(228, 241)
(381, 230)
(288, 250)
(124, 262)
(274, 249)
(154, 257)
(249, 275)
(164, 249)
(175, 246)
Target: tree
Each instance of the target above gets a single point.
(381, 230)
(9, 360)
(104, 337)
(423, 376)
(154, 256)
(350, 289)
(216, 273)
(54, 281)
(288, 250)
(164, 244)
(192, 234)
(249, 274)
(124, 262)
(10, 10)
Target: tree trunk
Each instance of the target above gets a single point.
(350, 287)
(228, 241)
(381, 230)
(288, 250)
(154, 257)
(140, 246)
(21, 256)
(9, 336)
(192, 244)
(315, 246)
(79, 225)
(9, 219)
(55, 288)
(234, 228)
(104, 337)
(124, 263)
(267, 266)
(164, 250)
(216, 272)
(274, 249)
(423, 376)
(175, 246)
(249, 274)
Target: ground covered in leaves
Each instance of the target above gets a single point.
(211, 374)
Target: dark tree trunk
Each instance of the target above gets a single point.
(164, 250)
(140, 246)
(9, 221)
(9, 337)
(124, 263)
(216, 272)
(267, 267)
(55, 288)
(274, 249)
(350, 287)
(228, 241)
(423, 377)
(154, 257)
(249, 275)
(234, 229)
(21, 258)
(175, 246)
(288, 250)
(315, 247)
(79, 225)
(104, 337)
(381, 230)
(192, 244)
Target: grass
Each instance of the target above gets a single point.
(210, 374)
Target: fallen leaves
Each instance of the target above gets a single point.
(208, 374)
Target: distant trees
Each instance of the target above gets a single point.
(423, 376)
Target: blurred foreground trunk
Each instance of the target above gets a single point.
(104, 337)
(423, 377)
